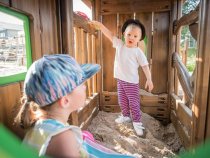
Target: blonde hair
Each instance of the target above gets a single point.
(29, 113)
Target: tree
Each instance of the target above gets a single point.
(189, 5)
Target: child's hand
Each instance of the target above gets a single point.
(95, 24)
(149, 85)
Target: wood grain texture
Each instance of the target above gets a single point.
(9, 102)
(109, 83)
(160, 49)
(49, 30)
(202, 82)
(146, 20)
(66, 12)
(130, 6)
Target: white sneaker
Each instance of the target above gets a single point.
(122, 119)
(139, 128)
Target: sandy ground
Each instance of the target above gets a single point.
(160, 141)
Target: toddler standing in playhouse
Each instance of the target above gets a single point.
(128, 58)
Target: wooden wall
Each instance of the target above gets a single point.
(46, 38)
(156, 21)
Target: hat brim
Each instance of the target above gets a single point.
(89, 70)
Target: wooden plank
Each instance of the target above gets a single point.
(77, 48)
(177, 43)
(109, 98)
(9, 102)
(208, 119)
(160, 49)
(187, 19)
(108, 54)
(86, 111)
(66, 12)
(89, 59)
(49, 30)
(128, 6)
(146, 20)
(180, 130)
(83, 23)
(111, 108)
(185, 116)
(183, 113)
(85, 124)
(172, 47)
(32, 8)
(94, 58)
(200, 106)
(83, 45)
(74, 118)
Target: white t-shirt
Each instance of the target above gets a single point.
(127, 61)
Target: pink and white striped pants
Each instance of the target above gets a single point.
(129, 99)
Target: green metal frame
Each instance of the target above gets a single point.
(25, 19)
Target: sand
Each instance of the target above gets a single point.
(160, 141)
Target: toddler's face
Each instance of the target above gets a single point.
(132, 36)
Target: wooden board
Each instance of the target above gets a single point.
(66, 26)
(85, 112)
(9, 105)
(202, 82)
(208, 119)
(155, 105)
(108, 54)
(180, 130)
(48, 22)
(83, 116)
(130, 6)
(160, 49)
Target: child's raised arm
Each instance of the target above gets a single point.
(103, 29)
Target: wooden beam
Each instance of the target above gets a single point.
(180, 130)
(183, 113)
(187, 19)
(202, 82)
(66, 11)
(83, 23)
(184, 76)
(130, 6)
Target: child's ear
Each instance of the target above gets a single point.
(63, 102)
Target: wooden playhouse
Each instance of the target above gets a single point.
(55, 28)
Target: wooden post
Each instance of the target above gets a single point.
(172, 47)
(98, 49)
(177, 43)
(201, 104)
(67, 26)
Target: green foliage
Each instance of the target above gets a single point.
(189, 5)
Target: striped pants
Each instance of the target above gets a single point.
(129, 99)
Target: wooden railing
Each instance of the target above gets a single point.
(181, 114)
(85, 52)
